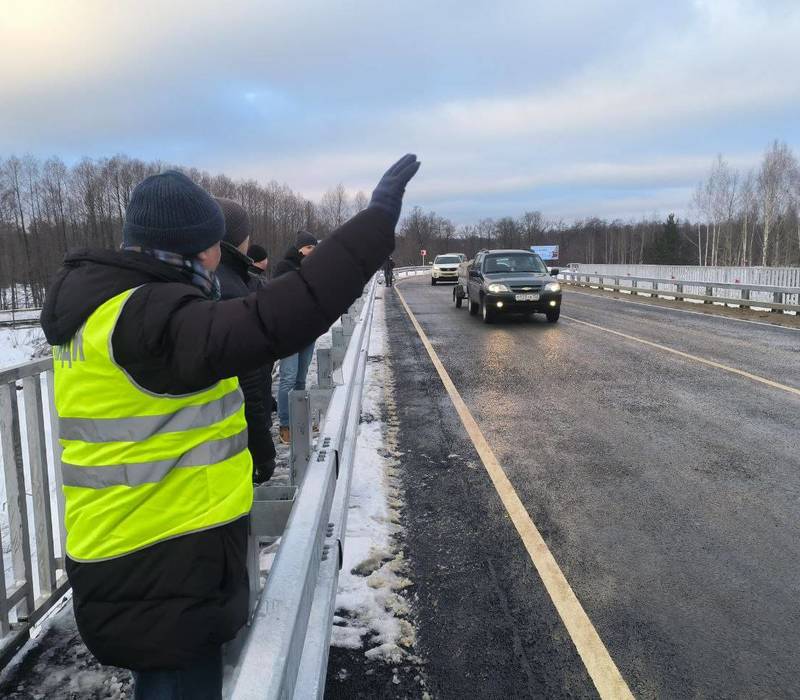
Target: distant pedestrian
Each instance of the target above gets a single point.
(237, 281)
(388, 271)
(259, 272)
(294, 369)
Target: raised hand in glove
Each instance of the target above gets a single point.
(388, 195)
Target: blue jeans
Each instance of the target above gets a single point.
(293, 373)
(201, 681)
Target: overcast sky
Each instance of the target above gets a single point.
(613, 108)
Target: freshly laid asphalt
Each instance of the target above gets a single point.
(667, 490)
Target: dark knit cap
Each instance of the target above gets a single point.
(256, 253)
(170, 212)
(304, 238)
(237, 223)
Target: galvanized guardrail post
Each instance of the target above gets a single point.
(300, 435)
(15, 502)
(324, 369)
(348, 324)
(40, 483)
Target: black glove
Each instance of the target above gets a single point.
(263, 472)
(388, 195)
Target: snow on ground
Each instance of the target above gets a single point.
(18, 345)
(372, 612)
(57, 666)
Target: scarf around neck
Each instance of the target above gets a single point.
(205, 280)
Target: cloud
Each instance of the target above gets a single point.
(504, 102)
(734, 58)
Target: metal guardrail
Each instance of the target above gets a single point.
(19, 318)
(778, 299)
(755, 275)
(283, 652)
(412, 270)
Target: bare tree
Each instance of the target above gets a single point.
(334, 208)
(774, 187)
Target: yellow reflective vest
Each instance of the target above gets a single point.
(140, 467)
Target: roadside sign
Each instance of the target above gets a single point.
(546, 252)
(423, 252)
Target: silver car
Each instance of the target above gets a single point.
(445, 267)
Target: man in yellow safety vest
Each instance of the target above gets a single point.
(157, 474)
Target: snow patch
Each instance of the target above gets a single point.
(371, 609)
(18, 345)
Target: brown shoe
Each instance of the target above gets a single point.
(284, 434)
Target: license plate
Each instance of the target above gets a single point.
(526, 297)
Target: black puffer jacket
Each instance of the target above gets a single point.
(176, 601)
(236, 281)
(291, 262)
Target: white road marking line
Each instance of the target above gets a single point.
(598, 662)
(683, 311)
(688, 356)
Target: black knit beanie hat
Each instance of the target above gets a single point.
(170, 212)
(304, 238)
(237, 223)
(256, 253)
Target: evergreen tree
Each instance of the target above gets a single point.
(666, 247)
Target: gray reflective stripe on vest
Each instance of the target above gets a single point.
(209, 453)
(138, 428)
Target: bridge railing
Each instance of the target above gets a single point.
(778, 299)
(283, 652)
(31, 524)
(411, 271)
(754, 275)
(19, 318)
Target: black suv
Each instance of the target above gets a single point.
(508, 281)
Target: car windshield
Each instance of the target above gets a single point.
(514, 262)
(447, 260)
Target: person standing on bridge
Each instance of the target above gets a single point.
(260, 260)
(388, 271)
(156, 471)
(293, 369)
(236, 280)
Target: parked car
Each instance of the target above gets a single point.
(445, 267)
(508, 282)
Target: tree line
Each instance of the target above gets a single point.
(48, 208)
(738, 218)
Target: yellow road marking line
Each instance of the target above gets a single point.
(688, 356)
(599, 664)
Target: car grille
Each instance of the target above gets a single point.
(526, 288)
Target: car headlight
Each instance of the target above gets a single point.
(498, 288)
(552, 287)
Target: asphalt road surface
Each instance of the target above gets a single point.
(666, 488)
